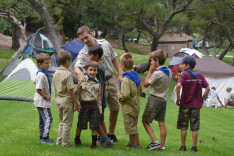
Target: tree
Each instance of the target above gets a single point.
(214, 19)
(15, 15)
(40, 8)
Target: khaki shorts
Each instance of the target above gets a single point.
(111, 98)
(130, 124)
(186, 114)
(154, 110)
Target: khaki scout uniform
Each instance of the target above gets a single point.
(129, 98)
(88, 91)
(89, 94)
(62, 83)
(111, 83)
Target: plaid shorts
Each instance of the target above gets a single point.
(89, 113)
(186, 114)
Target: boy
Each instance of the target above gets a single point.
(95, 54)
(159, 78)
(64, 98)
(42, 97)
(190, 101)
(89, 94)
(129, 97)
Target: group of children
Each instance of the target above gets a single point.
(88, 98)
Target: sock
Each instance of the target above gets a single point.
(163, 148)
(105, 138)
(94, 139)
(77, 137)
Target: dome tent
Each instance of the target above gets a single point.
(16, 79)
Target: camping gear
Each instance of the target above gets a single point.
(39, 43)
(176, 60)
(16, 79)
(217, 73)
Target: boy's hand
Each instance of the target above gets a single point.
(48, 97)
(178, 102)
(79, 108)
(75, 107)
(152, 66)
(99, 115)
(117, 94)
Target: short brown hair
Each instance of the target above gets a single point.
(82, 29)
(160, 55)
(63, 56)
(91, 64)
(128, 60)
(42, 57)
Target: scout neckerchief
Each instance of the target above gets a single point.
(165, 70)
(133, 76)
(194, 73)
(46, 73)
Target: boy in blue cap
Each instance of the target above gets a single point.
(190, 101)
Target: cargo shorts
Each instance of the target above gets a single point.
(186, 114)
(154, 110)
(111, 97)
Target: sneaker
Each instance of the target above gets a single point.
(154, 145)
(182, 148)
(162, 149)
(194, 149)
(99, 139)
(92, 146)
(106, 144)
(48, 141)
(77, 141)
(112, 138)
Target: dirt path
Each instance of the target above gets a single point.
(5, 60)
(5, 41)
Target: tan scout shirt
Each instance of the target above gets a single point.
(160, 84)
(129, 97)
(108, 56)
(89, 91)
(62, 83)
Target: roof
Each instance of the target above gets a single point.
(176, 38)
(214, 67)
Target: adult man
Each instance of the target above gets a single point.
(230, 99)
(108, 59)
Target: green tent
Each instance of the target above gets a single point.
(16, 79)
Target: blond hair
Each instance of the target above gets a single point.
(128, 60)
(63, 56)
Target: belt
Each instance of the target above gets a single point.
(88, 102)
(108, 77)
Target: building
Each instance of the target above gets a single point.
(173, 42)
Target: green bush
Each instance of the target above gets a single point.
(5, 27)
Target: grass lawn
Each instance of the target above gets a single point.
(19, 132)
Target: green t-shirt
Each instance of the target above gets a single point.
(102, 79)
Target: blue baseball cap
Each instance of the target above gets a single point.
(189, 60)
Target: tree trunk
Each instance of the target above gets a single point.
(41, 9)
(119, 39)
(123, 43)
(15, 37)
(154, 44)
(138, 37)
(61, 36)
(221, 56)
